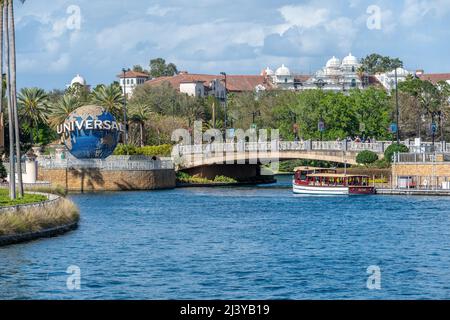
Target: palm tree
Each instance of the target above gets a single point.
(12, 180)
(33, 108)
(2, 138)
(12, 70)
(109, 97)
(60, 110)
(139, 114)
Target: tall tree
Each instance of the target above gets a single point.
(32, 108)
(12, 167)
(159, 68)
(376, 63)
(12, 48)
(139, 68)
(2, 138)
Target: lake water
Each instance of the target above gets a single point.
(239, 243)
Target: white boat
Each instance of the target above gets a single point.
(313, 190)
(316, 181)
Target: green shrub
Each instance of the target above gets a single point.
(381, 164)
(392, 149)
(164, 150)
(366, 157)
(224, 179)
(125, 149)
(185, 178)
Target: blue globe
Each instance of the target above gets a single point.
(92, 143)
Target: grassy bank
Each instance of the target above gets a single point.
(30, 220)
(5, 201)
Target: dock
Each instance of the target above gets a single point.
(414, 192)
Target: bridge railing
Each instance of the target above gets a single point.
(279, 146)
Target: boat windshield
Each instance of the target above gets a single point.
(337, 180)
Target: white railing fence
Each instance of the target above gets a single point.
(108, 164)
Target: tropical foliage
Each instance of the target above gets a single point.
(109, 97)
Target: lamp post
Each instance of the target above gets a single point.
(125, 138)
(254, 115)
(321, 128)
(397, 105)
(226, 102)
(434, 129)
(293, 117)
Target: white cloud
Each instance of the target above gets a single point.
(159, 11)
(414, 11)
(311, 31)
(61, 63)
(304, 16)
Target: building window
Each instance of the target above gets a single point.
(353, 69)
(353, 83)
(285, 80)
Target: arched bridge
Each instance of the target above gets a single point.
(243, 160)
(260, 153)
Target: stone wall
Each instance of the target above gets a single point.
(424, 173)
(85, 180)
(422, 169)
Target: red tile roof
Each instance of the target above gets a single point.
(302, 77)
(133, 74)
(435, 77)
(235, 83)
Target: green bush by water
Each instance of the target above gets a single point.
(186, 178)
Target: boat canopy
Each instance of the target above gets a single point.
(313, 169)
(335, 175)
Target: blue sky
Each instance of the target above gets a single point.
(210, 36)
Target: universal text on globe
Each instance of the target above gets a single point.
(72, 126)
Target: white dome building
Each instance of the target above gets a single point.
(283, 71)
(283, 78)
(332, 68)
(333, 63)
(350, 60)
(79, 80)
(337, 76)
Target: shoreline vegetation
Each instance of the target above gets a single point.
(25, 223)
(184, 178)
